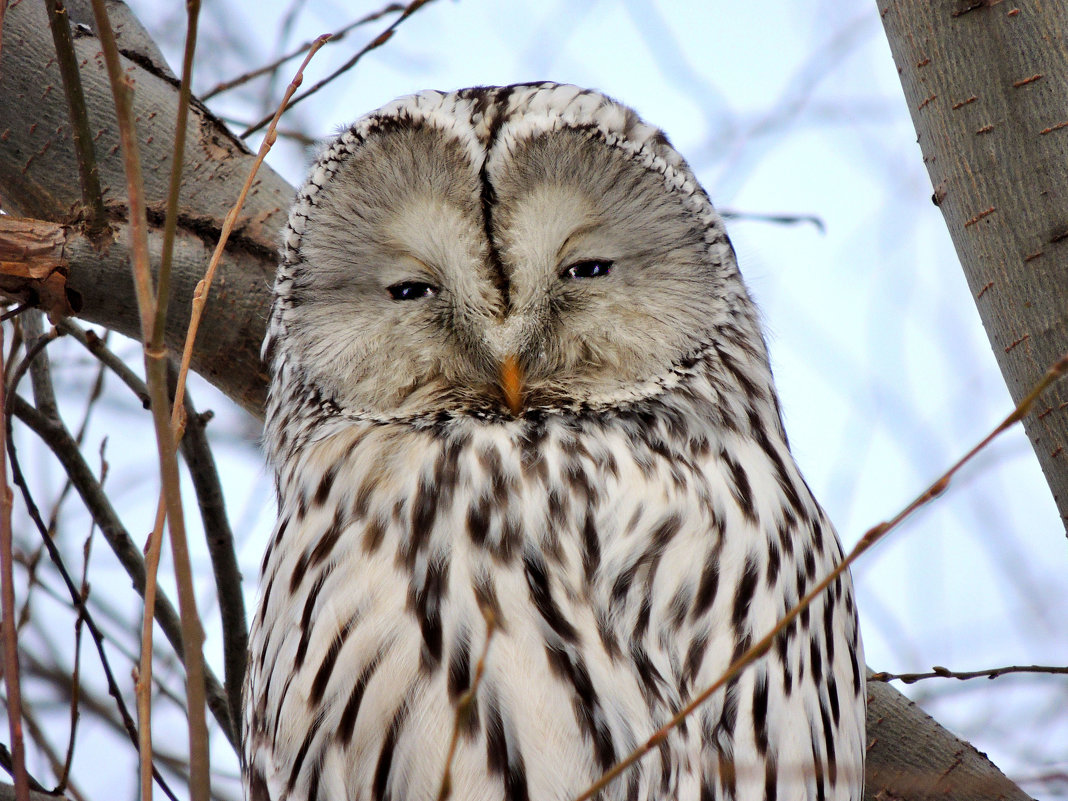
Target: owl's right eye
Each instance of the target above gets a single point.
(412, 290)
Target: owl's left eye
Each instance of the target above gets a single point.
(594, 268)
(412, 290)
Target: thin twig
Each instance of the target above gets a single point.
(200, 295)
(8, 765)
(465, 705)
(7, 624)
(335, 37)
(98, 347)
(40, 738)
(939, 672)
(15, 403)
(156, 378)
(871, 537)
(79, 624)
(44, 396)
(375, 43)
(88, 173)
(61, 443)
(155, 349)
(196, 451)
(16, 311)
(775, 219)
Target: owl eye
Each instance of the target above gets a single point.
(412, 290)
(595, 268)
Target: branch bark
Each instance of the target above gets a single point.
(987, 86)
(909, 756)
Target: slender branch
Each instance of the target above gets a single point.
(375, 43)
(200, 296)
(7, 623)
(170, 221)
(7, 764)
(7, 793)
(88, 173)
(465, 705)
(44, 397)
(156, 375)
(15, 402)
(335, 37)
(939, 672)
(220, 540)
(58, 439)
(79, 626)
(872, 536)
(155, 348)
(96, 346)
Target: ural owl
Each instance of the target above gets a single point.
(516, 376)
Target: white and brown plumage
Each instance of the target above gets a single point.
(514, 367)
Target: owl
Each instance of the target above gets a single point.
(523, 428)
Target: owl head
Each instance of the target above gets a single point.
(499, 251)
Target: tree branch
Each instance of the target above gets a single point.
(994, 131)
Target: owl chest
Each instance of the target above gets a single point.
(570, 545)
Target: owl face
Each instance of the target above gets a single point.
(503, 249)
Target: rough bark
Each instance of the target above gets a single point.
(910, 755)
(986, 83)
(39, 179)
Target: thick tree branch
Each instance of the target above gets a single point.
(987, 86)
(38, 178)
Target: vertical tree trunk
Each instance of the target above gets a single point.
(986, 82)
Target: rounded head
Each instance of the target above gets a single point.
(496, 251)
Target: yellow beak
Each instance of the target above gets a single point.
(512, 384)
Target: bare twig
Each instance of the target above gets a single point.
(871, 537)
(335, 37)
(375, 43)
(155, 350)
(44, 745)
(98, 347)
(61, 443)
(156, 375)
(67, 59)
(7, 764)
(44, 396)
(7, 624)
(200, 296)
(79, 625)
(15, 403)
(939, 672)
(220, 540)
(775, 219)
(465, 705)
